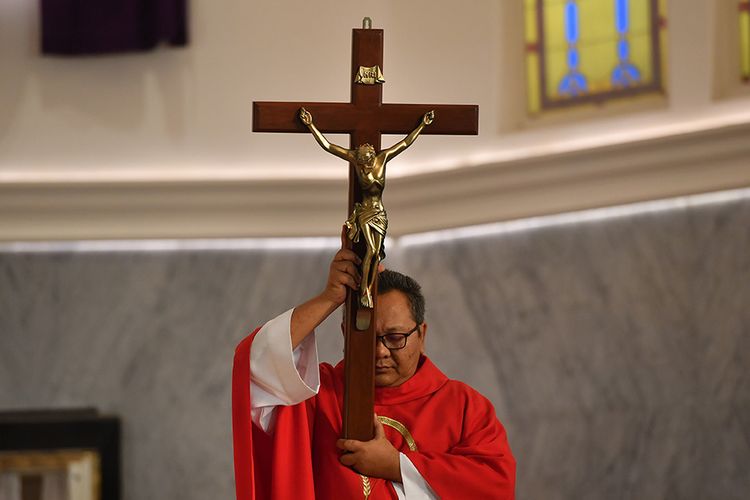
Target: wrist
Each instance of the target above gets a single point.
(306, 317)
(327, 302)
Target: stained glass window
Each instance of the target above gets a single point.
(582, 51)
(745, 38)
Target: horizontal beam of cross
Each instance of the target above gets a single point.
(345, 118)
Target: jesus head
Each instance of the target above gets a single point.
(365, 154)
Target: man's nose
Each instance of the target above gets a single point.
(381, 350)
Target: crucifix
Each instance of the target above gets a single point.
(364, 118)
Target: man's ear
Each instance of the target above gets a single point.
(422, 335)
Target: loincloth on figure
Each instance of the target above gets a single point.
(365, 214)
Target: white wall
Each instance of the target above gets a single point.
(179, 112)
(182, 116)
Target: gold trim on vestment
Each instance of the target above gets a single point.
(366, 486)
(401, 429)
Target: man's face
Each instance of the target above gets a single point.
(394, 367)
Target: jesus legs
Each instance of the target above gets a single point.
(370, 263)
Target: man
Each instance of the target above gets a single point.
(434, 437)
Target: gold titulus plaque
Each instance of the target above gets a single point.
(369, 76)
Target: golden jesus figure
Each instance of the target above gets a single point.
(368, 218)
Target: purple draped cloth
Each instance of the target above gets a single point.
(72, 27)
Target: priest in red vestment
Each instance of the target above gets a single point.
(434, 437)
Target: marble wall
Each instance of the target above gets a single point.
(616, 352)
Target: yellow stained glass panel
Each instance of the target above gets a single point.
(532, 57)
(745, 39)
(597, 50)
(554, 46)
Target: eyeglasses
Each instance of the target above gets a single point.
(395, 341)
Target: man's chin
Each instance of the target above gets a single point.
(390, 378)
(384, 380)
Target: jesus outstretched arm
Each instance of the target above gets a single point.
(334, 149)
(407, 141)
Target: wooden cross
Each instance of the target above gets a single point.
(364, 118)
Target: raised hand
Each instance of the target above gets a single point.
(428, 117)
(305, 116)
(342, 274)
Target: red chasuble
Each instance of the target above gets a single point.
(461, 448)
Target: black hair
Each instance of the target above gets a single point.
(392, 280)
